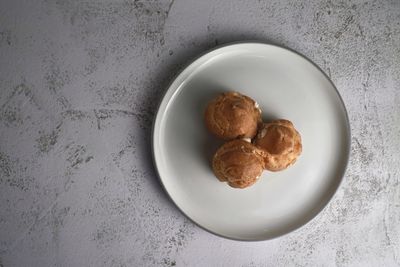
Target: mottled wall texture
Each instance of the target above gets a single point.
(79, 85)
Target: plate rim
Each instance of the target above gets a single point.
(206, 52)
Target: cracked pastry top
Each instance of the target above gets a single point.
(281, 142)
(232, 115)
(239, 163)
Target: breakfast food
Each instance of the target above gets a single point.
(232, 115)
(239, 163)
(281, 142)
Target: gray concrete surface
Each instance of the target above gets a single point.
(80, 81)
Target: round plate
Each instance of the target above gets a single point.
(286, 85)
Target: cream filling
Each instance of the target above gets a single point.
(257, 106)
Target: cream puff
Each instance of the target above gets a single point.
(239, 163)
(232, 115)
(281, 142)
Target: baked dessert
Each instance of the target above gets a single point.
(232, 115)
(239, 163)
(281, 142)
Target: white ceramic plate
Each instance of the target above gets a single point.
(286, 85)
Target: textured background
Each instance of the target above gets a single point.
(80, 81)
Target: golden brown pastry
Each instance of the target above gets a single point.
(281, 142)
(232, 115)
(239, 163)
